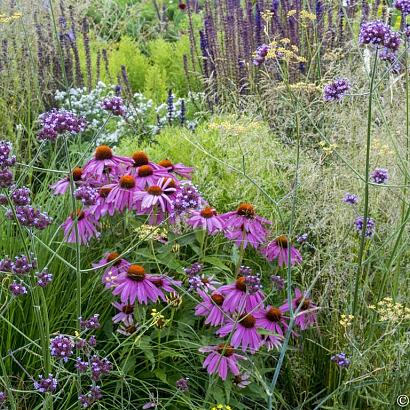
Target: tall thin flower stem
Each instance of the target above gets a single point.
(359, 271)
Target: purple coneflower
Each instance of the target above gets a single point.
(242, 380)
(237, 297)
(244, 227)
(211, 308)
(244, 333)
(307, 315)
(128, 327)
(164, 283)
(279, 249)
(86, 225)
(111, 272)
(179, 169)
(272, 319)
(222, 358)
(125, 314)
(101, 206)
(61, 186)
(206, 219)
(157, 195)
(146, 175)
(122, 194)
(104, 162)
(135, 284)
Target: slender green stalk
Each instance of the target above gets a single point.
(359, 271)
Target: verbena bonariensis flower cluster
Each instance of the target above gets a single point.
(17, 203)
(162, 194)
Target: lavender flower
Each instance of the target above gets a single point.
(6, 160)
(30, 217)
(91, 323)
(182, 384)
(43, 278)
(17, 289)
(351, 199)
(341, 360)
(302, 238)
(99, 366)
(22, 265)
(379, 34)
(46, 385)
(115, 105)
(21, 196)
(371, 225)
(81, 365)
(6, 178)
(403, 6)
(336, 90)
(56, 122)
(379, 176)
(86, 194)
(194, 269)
(187, 197)
(61, 347)
(278, 282)
(3, 397)
(260, 54)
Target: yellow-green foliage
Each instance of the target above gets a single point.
(156, 84)
(126, 52)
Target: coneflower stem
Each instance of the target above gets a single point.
(366, 189)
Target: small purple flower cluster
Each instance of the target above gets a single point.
(93, 395)
(187, 198)
(341, 360)
(30, 217)
(115, 105)
(351, 199)
(336, 90)
(86, 194)
(260, 54)
(21, 196)
(6, 161)
(46, 385)
(379, 176)
(379, 34)
(3, 397)
(182, 384)
(20, 266)
(278, 282)
(43, 278)
(57, 122)
(91, 323)
(252, 281)
(61, 347)
(403, 6)
(371, 226)
(99, 367)
(17, 289)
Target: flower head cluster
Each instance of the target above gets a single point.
(260, 55)
(86, 194)
(6, 158)
(379, 34)
(341, 360)
(370, 228)
(379, 176)
(30, 217)
(92, 396)
(336, 90)
(182, 384)
(44, 278)
(21, 196)
(403, 6)
(17, 289)
(99, 367)
(57, 122)
(46, 384)
(186, 198)
(351, 199)
(115, 105)
(61, 347)
(23, 264)
(91, 323)
(390, 311)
